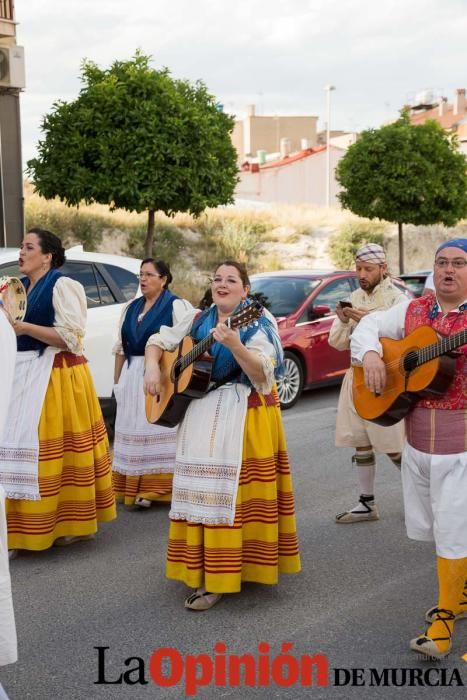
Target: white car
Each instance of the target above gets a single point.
(109, 282)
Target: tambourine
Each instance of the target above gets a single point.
(13, 297)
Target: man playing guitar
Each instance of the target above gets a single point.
(434, 460)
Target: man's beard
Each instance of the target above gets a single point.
(369, 286)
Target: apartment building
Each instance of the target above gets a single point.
(265, 133)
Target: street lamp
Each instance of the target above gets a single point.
(328, 89)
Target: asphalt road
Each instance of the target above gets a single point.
(359, 599)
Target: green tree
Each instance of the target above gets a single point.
(343, 244)
(405, 174)
(137, 139)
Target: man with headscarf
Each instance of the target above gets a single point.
(434, 460)
(8, 648)
(376, 292)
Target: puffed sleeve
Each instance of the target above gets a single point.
(339, 335)
(179, 310)
(168, 338)
(118, 346)
(261, 345)
(389, 323)
(69, 302)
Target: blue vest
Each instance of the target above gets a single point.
(135, 335)
(40, 310)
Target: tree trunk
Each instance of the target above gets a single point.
(148, 243)
(401, 248)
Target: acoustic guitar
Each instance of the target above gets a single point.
(416, 367)
(186, 372)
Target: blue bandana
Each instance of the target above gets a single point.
(460, 243)
(224, 363)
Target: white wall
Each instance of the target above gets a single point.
(303, 181)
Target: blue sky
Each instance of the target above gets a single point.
(277, 54)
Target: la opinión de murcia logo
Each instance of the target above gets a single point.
(167, 667)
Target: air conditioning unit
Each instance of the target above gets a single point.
(12, 74)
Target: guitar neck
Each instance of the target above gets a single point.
(442, 347)
(244, 317)
(196, 351)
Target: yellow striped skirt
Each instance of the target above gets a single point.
(75, 481)
(262, 543)
(153, 487)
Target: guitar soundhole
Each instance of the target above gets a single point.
(176, 371)
(410, 361)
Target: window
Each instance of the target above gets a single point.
(10, 270)
(283, 295)
(335, 291)
(125, 280)
(84, 273)
(98, 292)
(105, 293)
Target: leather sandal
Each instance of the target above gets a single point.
(427, 645)
(202, 600)
(430, 615)
(69, 539)
(143, 502)
(366, 512)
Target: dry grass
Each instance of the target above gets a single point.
(272, 238)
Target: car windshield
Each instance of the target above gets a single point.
(283, 295)
(416, 283)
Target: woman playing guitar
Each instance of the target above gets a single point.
(144, 454)
(227, 524)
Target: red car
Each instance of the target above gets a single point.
(303, 302)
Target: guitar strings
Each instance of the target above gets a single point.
(450, 341)
(247, 315)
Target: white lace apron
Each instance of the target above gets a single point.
(139, 447)
(19, 449)
(209, 457)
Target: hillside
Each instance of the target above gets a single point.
(266, 238)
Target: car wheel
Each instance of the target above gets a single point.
(290, 385)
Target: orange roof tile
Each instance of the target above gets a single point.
(447, 121)
(300, 155)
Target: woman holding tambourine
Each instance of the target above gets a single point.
(54, 458)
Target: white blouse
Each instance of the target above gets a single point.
(180, 309)
(69, 302)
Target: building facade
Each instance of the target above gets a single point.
(265, 133)
(11, 84)
(451, 115)
(296, 179)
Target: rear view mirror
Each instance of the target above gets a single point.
(318, 311)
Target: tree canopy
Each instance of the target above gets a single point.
(138, 139)
(405, 174)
